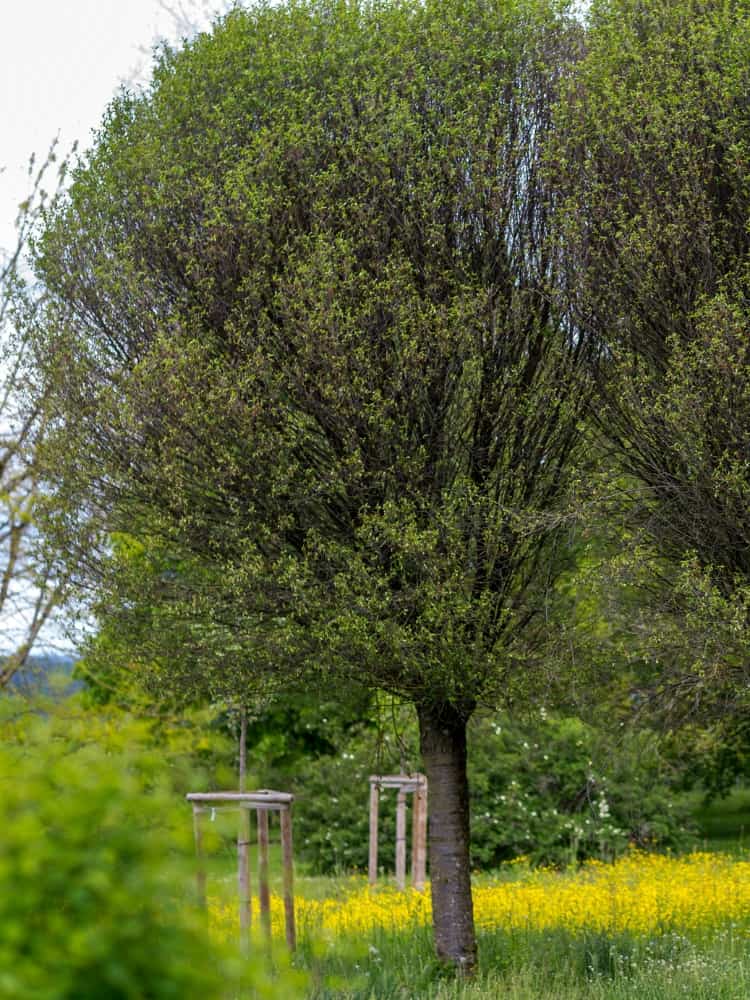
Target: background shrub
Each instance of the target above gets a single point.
(553, 788)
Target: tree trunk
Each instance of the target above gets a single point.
(442, 734)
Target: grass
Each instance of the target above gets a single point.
(548, 966)
(724, 824)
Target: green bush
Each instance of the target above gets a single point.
(91, 879)
(560, 791)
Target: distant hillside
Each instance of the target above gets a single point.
(34, 677)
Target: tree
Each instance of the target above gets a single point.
(300, 340)
(654, 145)
(29, 590)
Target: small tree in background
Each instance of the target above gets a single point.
(300, 345)
(29, 589)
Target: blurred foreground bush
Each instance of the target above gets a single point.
(94, 887)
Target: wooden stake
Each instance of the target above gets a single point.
(243, 876)
(200, 871)
(419, 874)
(401, 839)
(415, 837)
(372, 867)
(243, 748)
(243, 845)
(285, 816)
(264, 891)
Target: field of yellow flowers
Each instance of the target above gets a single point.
(642, 894)
(649, 927)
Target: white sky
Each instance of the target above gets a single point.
(60, 63)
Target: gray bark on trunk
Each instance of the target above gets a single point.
(442, 733)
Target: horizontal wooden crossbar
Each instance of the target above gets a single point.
(403, 782)
(263, 799)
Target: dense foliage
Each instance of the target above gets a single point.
(328, 258)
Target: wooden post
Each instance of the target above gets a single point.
(200, 871)
(264, 891)
(285, 816)
(415, 811)
(243, 876)
(401, 839)
(243, 748)
(419, 870)
(372, 866)
(243, 845)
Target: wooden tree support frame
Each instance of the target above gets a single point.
(415, 784)
(263, 802)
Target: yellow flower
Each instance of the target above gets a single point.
(641, 894)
